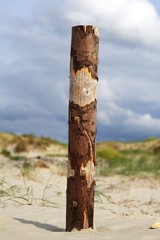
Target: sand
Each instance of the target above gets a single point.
(125, 207)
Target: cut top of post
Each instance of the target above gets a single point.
(83, 64)
(85, 27)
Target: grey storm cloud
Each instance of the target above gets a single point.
(34, 67)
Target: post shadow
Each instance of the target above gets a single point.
(45, 226)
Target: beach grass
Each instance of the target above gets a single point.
(23, 194)
(138, 159)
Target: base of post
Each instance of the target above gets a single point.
(93, 230)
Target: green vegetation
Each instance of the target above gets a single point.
(24, 194)
(129, 159)
(100, 195)
(15, 193)
(150, 139)
(23, 142)
(8, 154)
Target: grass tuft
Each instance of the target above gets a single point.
(128, 162)
(24, 195)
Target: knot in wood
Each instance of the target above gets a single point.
(75, 204)
(83, 172)
(77, 119)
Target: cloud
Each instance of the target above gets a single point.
(145, 121)
(131, 21)
(34, 67)
(125, 124)
(34, 80)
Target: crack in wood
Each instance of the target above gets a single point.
(89, 170)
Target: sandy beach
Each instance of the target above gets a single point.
(125, 207)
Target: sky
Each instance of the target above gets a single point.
(35, 37)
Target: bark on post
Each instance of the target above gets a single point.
(82, 127)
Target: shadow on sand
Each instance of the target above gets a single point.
(45, 226)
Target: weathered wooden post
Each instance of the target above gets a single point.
(82, 127)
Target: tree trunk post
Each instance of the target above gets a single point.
(82, 128)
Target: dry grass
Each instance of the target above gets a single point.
(23, 194)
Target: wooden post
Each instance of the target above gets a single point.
(82, 127)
